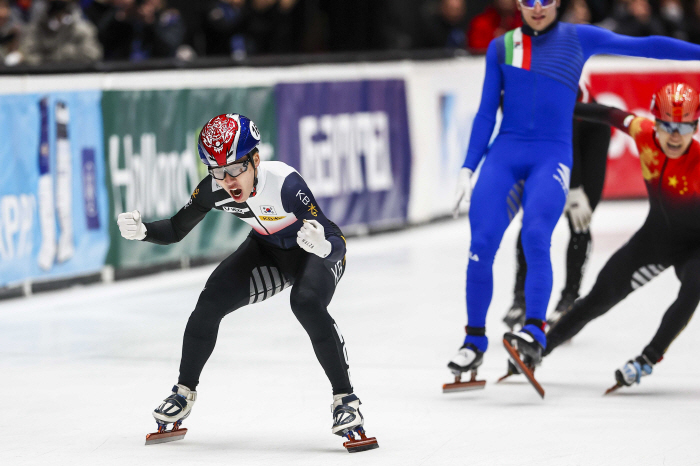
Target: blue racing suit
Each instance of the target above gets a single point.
(536, 75)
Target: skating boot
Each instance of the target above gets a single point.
(566, 303)
(632, 372)
(515, 317)
(348, 421)
(174, 409)
(467, 359)
(525, 350)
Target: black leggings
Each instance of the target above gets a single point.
(255, 272)
(636, 263)
(590, 145)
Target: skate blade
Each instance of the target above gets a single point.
(170, 436)
(515, 358)
(356, 446)
(463, 386)
(505, 377)
(612, 389)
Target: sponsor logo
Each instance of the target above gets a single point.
(235, 210)
(563, 176)
(473, 257)
(346, 153)
(157, 183)
(337, 271)
(194, 195)
(271, 219)
(313, 210)
(268, 210)
(16, 225)
(303, 198)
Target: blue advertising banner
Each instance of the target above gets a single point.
(53, 200)
(350, 142)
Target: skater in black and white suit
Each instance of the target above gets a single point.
(292, 244)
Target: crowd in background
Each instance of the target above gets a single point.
(49, 31)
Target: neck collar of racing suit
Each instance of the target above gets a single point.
(531, 32)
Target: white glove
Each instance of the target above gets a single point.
(463, 193)
(312, 239)
(130, 225)
(579, 210)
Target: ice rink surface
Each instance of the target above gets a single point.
(83, 368)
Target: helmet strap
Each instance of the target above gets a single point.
(255, 176)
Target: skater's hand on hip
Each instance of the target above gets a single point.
(131, 226)
(311, 238)
(463, 193)
(579, 210)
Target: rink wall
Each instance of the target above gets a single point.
(380, 144)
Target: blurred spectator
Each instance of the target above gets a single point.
(25, 9)
(58, 33)
(224, 21)
(577, 12)
(671, 13)
(10, 31)
(403, 23)
(96, 10)
(692, 21)
(445, 25)
(140, 29)
(272, 28)
(495, 21)
(354, 25)
(635, 18)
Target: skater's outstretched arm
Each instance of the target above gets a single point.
(485, 119)
(173, 229)
(596, 41)
(610, 116)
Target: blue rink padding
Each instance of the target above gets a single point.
(24, 158)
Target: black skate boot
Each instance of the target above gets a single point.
(525, 350)
(632, 372)
(515, 317)
(348, 421)
(566, 303)
(467, 359)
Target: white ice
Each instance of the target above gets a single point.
(81, 369)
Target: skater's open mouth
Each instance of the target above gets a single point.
(674, 146)
(236, 193)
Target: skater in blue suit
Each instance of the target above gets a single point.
(533, 72)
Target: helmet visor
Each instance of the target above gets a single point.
(233, 170)
(682, 128)
(530, 4)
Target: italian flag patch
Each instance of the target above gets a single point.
(518, 49)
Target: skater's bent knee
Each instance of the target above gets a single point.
(304, 300)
